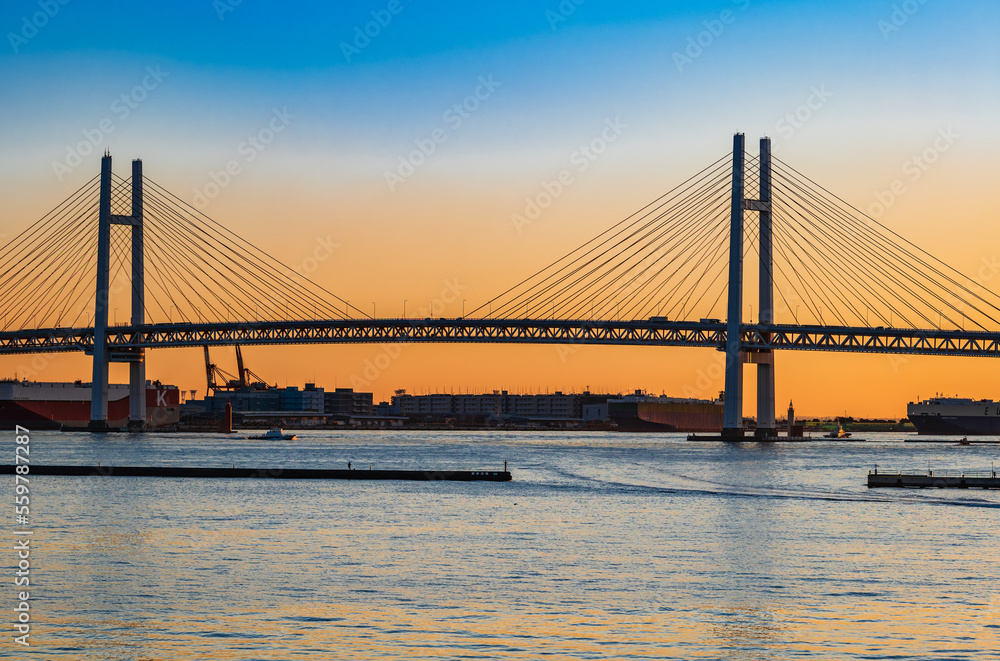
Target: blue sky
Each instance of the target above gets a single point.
(682, 75)
(875, 81)
(604, 57)
(601, 53)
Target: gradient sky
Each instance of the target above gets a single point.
(890, 81)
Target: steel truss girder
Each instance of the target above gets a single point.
(755, 337)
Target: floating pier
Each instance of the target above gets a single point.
(268, 473)
(953, 441)
(934, 480)
(750, 438)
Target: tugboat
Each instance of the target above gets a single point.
(840, 433)
(274, 434)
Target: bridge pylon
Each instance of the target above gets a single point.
(764, 359)
(102, 357)
(732, 425)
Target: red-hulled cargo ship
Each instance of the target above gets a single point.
(47, 405)
(640, 412)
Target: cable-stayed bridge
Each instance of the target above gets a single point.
(829, 278)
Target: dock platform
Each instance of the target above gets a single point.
(268, 473)
(934, 480)
(953, 441)
(750, 438)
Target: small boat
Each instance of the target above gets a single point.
(840, 433)
(274, 434)
(965, 441)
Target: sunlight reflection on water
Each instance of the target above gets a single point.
(603, 546)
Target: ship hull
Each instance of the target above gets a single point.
(12, 415)
(955, 416)
(635, 424)
(38, 406)
(956, 425)
(652, 416)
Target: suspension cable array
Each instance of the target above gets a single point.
(196, 270)
(667, 259)
(206, 272)
(833, 265)
(47, 277)
(845, 268)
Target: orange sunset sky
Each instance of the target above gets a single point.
(849, 93)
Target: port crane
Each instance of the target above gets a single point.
(219, 379)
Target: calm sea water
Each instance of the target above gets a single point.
(604, 546)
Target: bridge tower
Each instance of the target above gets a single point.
(766, 426)
(732, 424)
(102, 357)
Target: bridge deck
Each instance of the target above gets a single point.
(124, 339)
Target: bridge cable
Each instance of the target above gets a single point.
(266, 257)
(289, 295)
(657, 203)
(633, 232)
